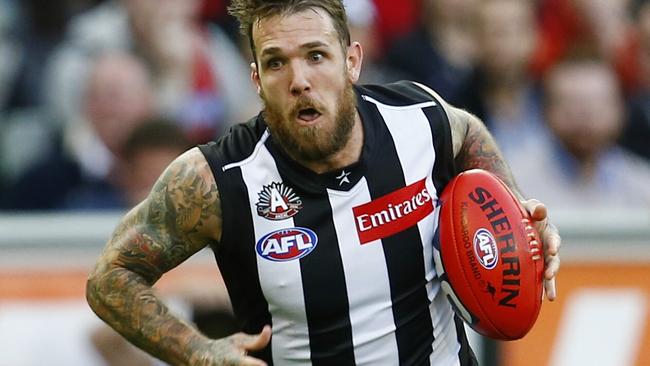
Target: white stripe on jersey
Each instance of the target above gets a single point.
(365, 270)
(399, 107)
(406, 125)
(281, 282)
(252, 156)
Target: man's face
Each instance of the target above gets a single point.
(304, 76)
(118, 98)
(507, 36)
(584, 108)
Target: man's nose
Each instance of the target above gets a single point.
(299, 78)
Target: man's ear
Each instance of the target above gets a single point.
(354, 59)
(255, 76)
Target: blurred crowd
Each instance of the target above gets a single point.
(98, 96)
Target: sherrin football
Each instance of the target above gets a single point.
(489, 257)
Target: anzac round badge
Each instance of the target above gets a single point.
(278, 202)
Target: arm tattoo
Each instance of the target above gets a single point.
(478, 150)
(178, 218)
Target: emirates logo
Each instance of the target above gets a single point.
(278, 202)
(394, 212)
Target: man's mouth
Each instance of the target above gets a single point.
(308, 114)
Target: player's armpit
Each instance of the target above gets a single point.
(178, 218)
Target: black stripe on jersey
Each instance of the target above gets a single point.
(444, 168)
(404, 258)
(326, 300)
(235, 253)
(465, 355)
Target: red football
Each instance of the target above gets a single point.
(490, 258)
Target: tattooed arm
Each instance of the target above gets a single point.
(178, 218)
(475, 148)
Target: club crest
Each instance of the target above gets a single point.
(278, 202)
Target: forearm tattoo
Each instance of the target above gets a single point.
(479, 150)
(180, 215)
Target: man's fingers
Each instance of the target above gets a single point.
(538, 214)
(551, 239)
(253, 342)
(549, 234)
(259, 341)
(538, 211)
(549, 289)
(552, 266)
(233, 350)
(552, 242)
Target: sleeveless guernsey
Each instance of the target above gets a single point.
(341, 264)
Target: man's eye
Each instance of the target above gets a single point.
(274, 64)
(315, 57)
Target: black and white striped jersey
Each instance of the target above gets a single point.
(341, 264)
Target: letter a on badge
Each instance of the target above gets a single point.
(277, 201)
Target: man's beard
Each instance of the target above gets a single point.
(312, 143)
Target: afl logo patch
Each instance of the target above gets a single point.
(287, 244)
(485, 248)
(278, 202)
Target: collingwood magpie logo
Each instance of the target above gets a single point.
(278, 202)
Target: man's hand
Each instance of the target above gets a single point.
(551, 240)
(233, 350)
